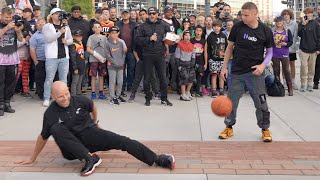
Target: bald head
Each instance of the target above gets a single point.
(60, 93)
(58, 86)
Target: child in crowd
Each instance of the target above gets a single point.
(199, 44)
(185, 59)
(76, 51)
(216, 46)
(116, 53)
(96, 47)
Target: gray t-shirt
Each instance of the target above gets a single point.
(98, 44)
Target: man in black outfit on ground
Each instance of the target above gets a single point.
(73, 123)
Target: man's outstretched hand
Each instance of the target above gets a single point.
(24, 162)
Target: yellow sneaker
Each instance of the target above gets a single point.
(266, 135)
(226, 133)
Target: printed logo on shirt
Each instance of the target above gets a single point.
(60, 121)
(114, 49)
(77, 112)
(246, 36)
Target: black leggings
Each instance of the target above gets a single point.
(96, 139)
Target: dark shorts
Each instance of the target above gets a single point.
(215, 67)
(293, 56)
(97, 67)
(186, 76)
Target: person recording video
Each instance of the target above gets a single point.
(9, 34)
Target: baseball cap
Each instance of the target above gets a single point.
(114, 28)
(27, 10)
(76, 32)
(54, 10)
(125, 10)
(36, 8)
(152, 10)
(98, 11)
(167, 8)
(186, 31)
(278, 18)
(192, 14)
(186, 19)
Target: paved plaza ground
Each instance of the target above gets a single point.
(188, 130)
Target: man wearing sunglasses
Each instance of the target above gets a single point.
(150, 36)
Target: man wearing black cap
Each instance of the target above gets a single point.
(174, 25)
(126, 27)
(193, 19)
(150, 36)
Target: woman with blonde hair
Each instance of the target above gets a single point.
(282, 40)
(200, 21)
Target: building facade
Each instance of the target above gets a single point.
(187, 6)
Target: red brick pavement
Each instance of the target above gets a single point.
(251, 158)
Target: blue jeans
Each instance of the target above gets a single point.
(256, 87)
(52, 65)
(128, 76)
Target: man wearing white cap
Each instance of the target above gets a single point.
(58, 37)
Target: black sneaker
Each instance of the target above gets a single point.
(166, 161)
(199, 94)
(132, 97)
(27, 95)
(315, 86)
(1, 110)
(147, 103)
(114, 101)
(90, 165)
(166, 102)
(123, 94)
(8, 109)
(121, 100)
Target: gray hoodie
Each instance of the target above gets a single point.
(293, 26)
(115, 53)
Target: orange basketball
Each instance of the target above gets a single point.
(169, 42)
(221, 106)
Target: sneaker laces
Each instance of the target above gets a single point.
(225, 131)
(266, 133)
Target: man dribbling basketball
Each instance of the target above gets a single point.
(248, 38)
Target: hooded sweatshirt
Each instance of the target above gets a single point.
(310, 37)
(115, 53)
(293, 27)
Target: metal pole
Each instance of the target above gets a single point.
(207, 7)
(302, 5)
(295, 10)
(125, 4)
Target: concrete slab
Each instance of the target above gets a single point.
(246, 128)
(74, 176)
(260, 177)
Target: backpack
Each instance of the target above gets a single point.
(276, 89)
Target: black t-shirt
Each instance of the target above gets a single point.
(217, 5)
(249, 46)
(199, 50)
(8, 42)
(217, 44)
(76, 117)
(61, 50)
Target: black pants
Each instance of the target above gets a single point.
(7, 82)
(40, 77)
(317, 71)
(198, 83)
(139, 72)
(32, 75)
(156, 61)
(95, 139)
